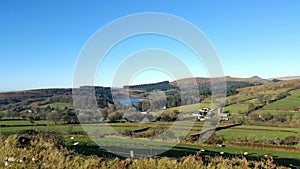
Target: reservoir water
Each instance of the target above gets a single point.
(129, 100)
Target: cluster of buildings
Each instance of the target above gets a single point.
(207, 113)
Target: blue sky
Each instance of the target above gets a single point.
(41, 40)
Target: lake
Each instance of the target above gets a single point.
(129, 100)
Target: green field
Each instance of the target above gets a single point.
(24, 122)
(288, 106)
(240, 150)
(124, 146)
(91, 128)
(108, 142)
(236, 108)
(191, 108)
(245, 130)
(269, 128)
(88, 146)
(230, 134)
(289, 103)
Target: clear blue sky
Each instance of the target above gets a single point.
(41, 40)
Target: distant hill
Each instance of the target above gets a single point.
(19, 96)
(230, 81)
(254, 79)
(203, 83)
(39, 97)
(286, 78)
(163, 86)
(26, 95)
(43, 101)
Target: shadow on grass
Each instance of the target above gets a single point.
(178, 152)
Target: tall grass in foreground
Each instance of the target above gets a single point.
(37, 153)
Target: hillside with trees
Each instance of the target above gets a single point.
(41, 104)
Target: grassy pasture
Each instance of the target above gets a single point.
(57, 128)
(88, 146)
(236, 108)
(287, 106)
(240, 150)
(191, 107)
(124, 146)
(289, 103)
(257, 131)
(269, 128)
(295, 114)
(230, 134)
(25, 122)
(133, 143)
(295, 93)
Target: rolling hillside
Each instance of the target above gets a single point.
(240, 92)
(255, 80)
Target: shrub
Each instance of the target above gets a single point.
(152, 132)
(290, 140)
(169, 115)
(78, 133)
(280, 118)
(268, 116)
(127, 132)
(114, 116)
(215, 139)
(26, 136)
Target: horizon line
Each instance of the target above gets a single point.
(71, 87)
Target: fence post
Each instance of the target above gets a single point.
(132, 154)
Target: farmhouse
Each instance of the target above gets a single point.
(207, 113)
(224, 116)
(203, 114)
(144, 113)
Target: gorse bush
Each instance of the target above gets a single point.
(215, 139)
(43, 154)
